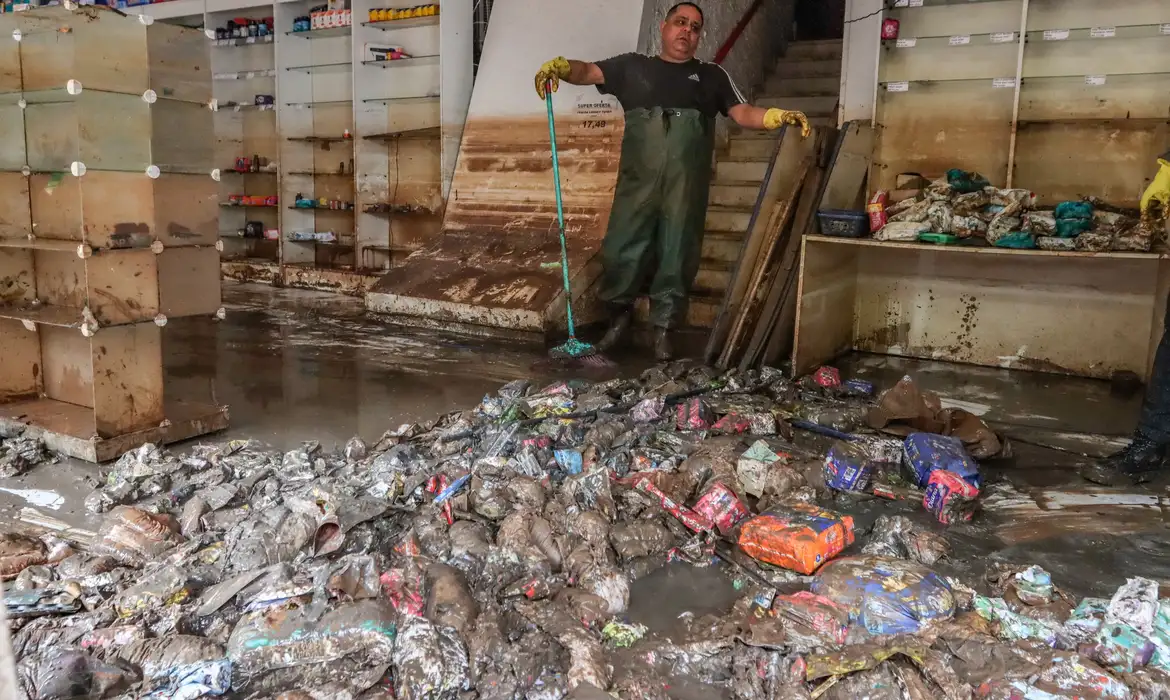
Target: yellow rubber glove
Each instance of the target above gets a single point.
(776, 118)
(1159, 190)
(555, 70)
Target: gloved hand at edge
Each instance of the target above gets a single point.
(774, 118)
(1159, 189)
(555, 70)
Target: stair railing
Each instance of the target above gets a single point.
(738, 31)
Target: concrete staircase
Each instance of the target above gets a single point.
(808, 79)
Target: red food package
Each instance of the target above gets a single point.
(685, 515)
(950, 497)
(732, 423)
(877, 210)
(890, 29)
(827, 377)
(693, 414)
(722, 507)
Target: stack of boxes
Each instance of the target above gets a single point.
(108, 224)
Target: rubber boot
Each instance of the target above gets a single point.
(618, 334)
(1139, 462)
(663, 351)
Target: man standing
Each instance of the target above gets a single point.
(1150, 446)
(660, 204)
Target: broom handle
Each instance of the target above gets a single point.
(552, 135)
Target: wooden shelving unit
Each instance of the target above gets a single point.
(315, 87)
(83, 151)
(404, 120)
(246, 129)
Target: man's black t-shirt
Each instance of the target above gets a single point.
(640, 81)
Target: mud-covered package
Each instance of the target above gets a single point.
(895, 536)
(192, 681)
(886, 596)
(18, 552)
(1014, 626)
(693, 414)
(20, 454)
(848, 467)
(754, 466)
(430, 662)
(927, 452)
(64, 673)
(800, 537)
(820, 615)
(282, 637)
(950, 497)
(722, 507)
(134, 536)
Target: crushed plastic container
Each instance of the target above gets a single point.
(927, 452)
(800, 537)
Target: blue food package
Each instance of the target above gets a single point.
(886, 596)
(927, 452)
(569, 460)
(858, 387)
(848, 467)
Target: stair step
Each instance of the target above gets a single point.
(734, 194)
(720, 218)
(722, 246)
(701, 311)
(741, 170)
(812, 106)
(808, 69)
(712, 280)
(801, 87)
(751, 148)
(815, 50)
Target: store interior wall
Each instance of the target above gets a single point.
(860, 47)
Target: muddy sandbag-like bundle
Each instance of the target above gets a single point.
(133, 536)
(18, 552)
(66, 673)
(156, 658)
(287, 639)
(20, 454)
(430, 661)
(895, 536)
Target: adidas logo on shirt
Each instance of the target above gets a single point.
(694, 77)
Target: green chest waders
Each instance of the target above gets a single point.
(656, 225)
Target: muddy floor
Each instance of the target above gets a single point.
(296, 366)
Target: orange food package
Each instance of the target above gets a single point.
(799, 537)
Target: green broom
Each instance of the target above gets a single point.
(573, 348)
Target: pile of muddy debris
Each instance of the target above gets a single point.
(964, 205)
(490, 554)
